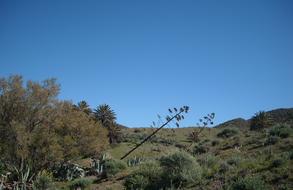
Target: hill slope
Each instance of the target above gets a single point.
(229, 154)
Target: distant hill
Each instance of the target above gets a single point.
(238, 122)
(282, 115)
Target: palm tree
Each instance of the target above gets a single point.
(84, 107)
(107, 117)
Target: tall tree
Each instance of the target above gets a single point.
(107, 117)
(260, 121)
(84, 107)
(38, 130)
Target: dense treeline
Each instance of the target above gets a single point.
(37, 130)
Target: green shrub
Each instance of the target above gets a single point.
(162, 140)
(271, 140)
(210, 165)
(281, 130)
(235, 160)
(247, 183)
(113, 166)
(276, 163)
(204, 141)
(147, 176)
(43, 181)
(180, 169)
(80, 183)
(136, 181)
(177, 170)
(224, 167)
(226, 133)
(215, 142)
(200, 149)
(208, 161)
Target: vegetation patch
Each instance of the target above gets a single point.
(226, 133)
(80, 184)
(247, 183)
(281, 130)
(113, 166)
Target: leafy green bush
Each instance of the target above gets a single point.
(281, 130)
(208, 160)
(147, 176)
(180, 169)
(226, 133)
(210, 165)
(177, 170)
(247, 183)
(136, 181)
(113, 166)
(80, 183)
(43, 181)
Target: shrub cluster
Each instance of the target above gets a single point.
(177, 170)
(281, 130)
(113, 166)
(44, 181)
(200, 149)
(80, 184)
(226, 133)
(210, 165)
(247, 183)
(147, 176)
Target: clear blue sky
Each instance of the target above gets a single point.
(233, 58)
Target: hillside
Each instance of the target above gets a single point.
(230, 155)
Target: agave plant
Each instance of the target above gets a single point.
(98, 165)
(24, 177)
(68, 171)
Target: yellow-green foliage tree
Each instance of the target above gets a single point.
(38, 130)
